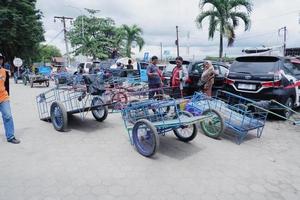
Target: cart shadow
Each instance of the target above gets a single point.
(87, 125)
(173, 148)
(230, 135)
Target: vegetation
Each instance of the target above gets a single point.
(224, 17)
(21, 29)
(100, 38)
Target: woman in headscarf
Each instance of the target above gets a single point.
(207, 78)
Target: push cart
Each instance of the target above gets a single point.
(146, 120)
(41, 76)
(59, 102)
(236, 113)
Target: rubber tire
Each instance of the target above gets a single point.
(222, 125)
(284, 112)
(64, 116)
(193, 135)
(115, 96)
(153, 133)
(47, 83)
(25, 81)
(99, 119)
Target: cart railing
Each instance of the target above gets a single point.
(74, 101)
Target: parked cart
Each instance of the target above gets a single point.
(237, 113)
(57, 103)
(41, 76)
(146, 120)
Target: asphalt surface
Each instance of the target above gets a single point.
(96, 161)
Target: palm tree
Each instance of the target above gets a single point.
(224, 17)
(133, 34)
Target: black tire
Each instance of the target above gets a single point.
(47, 83)
(100, 113)
(179, 132)
(287, 113)
(24, 81)
(146, 145)
(59, 116)
(213, 127)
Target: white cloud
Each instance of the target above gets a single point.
(159, 18)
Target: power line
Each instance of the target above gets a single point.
(55, 37)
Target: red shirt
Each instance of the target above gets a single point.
(175, 77)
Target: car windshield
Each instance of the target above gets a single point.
(296, 68)
(255, 65)
(170, 67)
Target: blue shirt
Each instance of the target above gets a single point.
(154, 79)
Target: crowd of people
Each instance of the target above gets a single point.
(179, 78)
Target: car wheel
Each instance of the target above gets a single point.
(286, 113)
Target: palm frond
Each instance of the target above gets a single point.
(213, 23)
(205, 14)
(230, 34)
(234, 4)
(244, 17)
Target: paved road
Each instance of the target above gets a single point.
(96, 161)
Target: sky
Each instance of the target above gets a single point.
(158, 19)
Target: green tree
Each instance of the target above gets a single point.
(21, 29)
(99, 39)
(133, 34)
(46, 52)
(224, 16)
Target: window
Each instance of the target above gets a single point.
(197, 67)
(223, 70)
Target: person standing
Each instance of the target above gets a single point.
(154, 79)
(130, 66)
(5, 105)
(207, 78)
(178, 78)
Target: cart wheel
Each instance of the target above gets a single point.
(145, 138)
(186, 133)
(287, 113)
(213, 127)
(24, 81)
(100, 113)
(120, 99)
(47, 83)
(59, 116)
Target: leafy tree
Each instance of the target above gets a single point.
(224, 16)
(21, 29)
(99, 39)
(46, 52)
(133, 34)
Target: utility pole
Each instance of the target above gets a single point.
(177, 41)
(188, 45)
(284, 38)
(63, 20)
(161, 51)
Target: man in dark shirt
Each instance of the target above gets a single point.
(130, 66)
(154, 80)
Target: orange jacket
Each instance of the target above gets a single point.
(3, 92)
